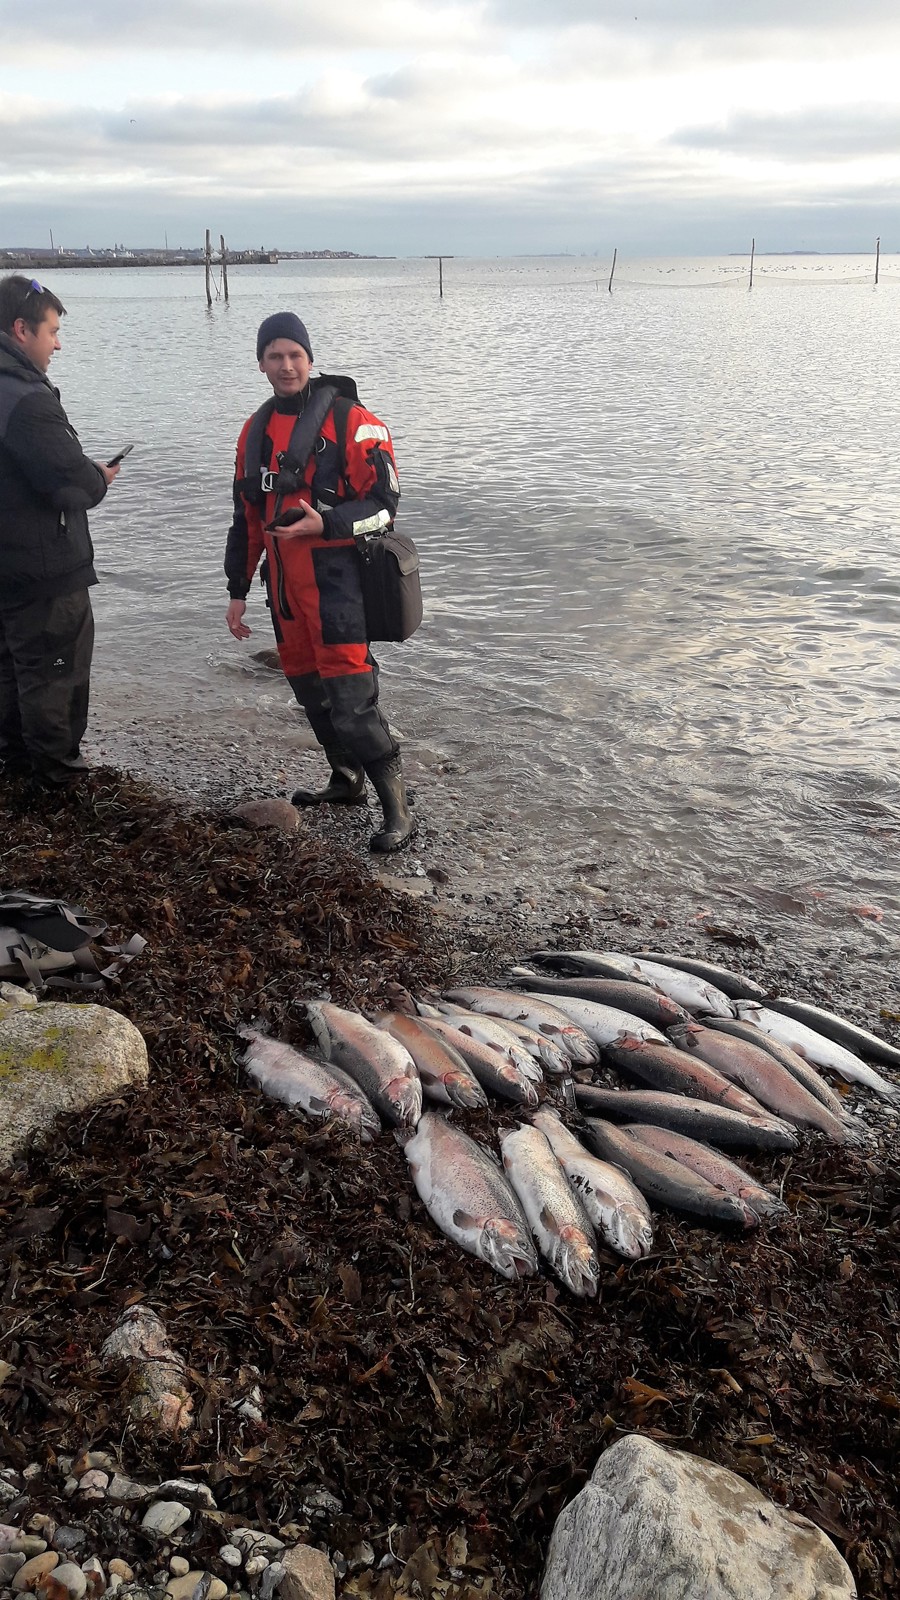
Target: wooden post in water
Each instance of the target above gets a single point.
(752, 254)
(207, 265)
(441, 277)
(877, 255)
(612, 269)
(224, 266)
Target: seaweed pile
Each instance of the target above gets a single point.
(450, 1413)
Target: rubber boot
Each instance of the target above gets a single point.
(399, 823)
(346, 787)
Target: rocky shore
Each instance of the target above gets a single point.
(358, 1389)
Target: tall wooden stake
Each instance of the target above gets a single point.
(752, 254)
(877, 255)
(613, 268)
(224, 266)
(441, 276)
(207, 264)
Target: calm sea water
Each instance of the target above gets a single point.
(659, 541)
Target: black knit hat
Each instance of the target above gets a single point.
(282, 325)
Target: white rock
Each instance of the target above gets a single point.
(254, 1542)
(165, 1517)
(230, 1555)
(95, 1479)
(658, 1524)
(255, 1565)
(32, 1472)
(72, 1578)
(61, 1058)
(178, 1566)
(13, 998)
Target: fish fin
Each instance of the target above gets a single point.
(464, 1219)
(319, 1107)
(549, 1221)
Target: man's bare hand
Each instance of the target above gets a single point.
(109, 473)
(234, 616)
(304, 520)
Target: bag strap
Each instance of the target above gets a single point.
(292, 461)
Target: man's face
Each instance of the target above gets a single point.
(286, 365)
(38, 343)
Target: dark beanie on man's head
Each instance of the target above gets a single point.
(282, 325)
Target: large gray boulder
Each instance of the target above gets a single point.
(56, 1058)
(657, 1524)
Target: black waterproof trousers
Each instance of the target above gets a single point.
(45, 670)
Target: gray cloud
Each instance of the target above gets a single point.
(694, 16)
(841, 134)
(172, 26)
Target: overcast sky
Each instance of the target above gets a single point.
(469, 127)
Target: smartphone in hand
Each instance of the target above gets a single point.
(120, 455)
(287, 518)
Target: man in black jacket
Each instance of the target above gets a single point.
(47, 486)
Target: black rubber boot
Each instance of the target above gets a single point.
(399, 823)
(347, 786)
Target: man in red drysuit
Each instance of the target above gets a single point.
(314, 470)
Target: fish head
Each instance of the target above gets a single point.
(361, 1117)
(577, 1264)
(466, 1093)
(504, 1247)
(405, 1092)
(630, 1232)
(579, 1047)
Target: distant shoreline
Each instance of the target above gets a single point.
(19, 260)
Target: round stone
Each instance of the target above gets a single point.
(230, 1555)
(165, 1517)
(73, 1578)
(178, 1566)
(27, 1576)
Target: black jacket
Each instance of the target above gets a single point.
(47, 485)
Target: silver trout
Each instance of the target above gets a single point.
(603, 1024)
(816, 1048)
(495, 1069)
(695, 994)
(732, 984)
(839, 1029)
(444, 1074)
(464, 1191)
(383, 1068)
(666, 1067)
(616, 1208)
(665, 1181)
(636, 999)
(493, 1032)
(795, 1064)
(541, 1015)
(296, 1079)
(559, 1223)
(699, 1119)
(708, 1164)
(763, 1077)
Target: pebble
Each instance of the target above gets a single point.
(9, 1566)
(28, 1544)
(321, 1503)
(122, 1488)
(69, 1538)
(96, 1578)
(165, 1517)
(32, 1472)
(70, 1487)
(230, 1555)
(94, 1479)
(182, 1588)
(254, 1542)
(178, 1566)
(121, 1569)
(256, 1565)
(44, 1526)
(72, 1578)
(271, 1580)
(90, 1459)
(34, 1569)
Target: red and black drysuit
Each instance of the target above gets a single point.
(313, 583)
